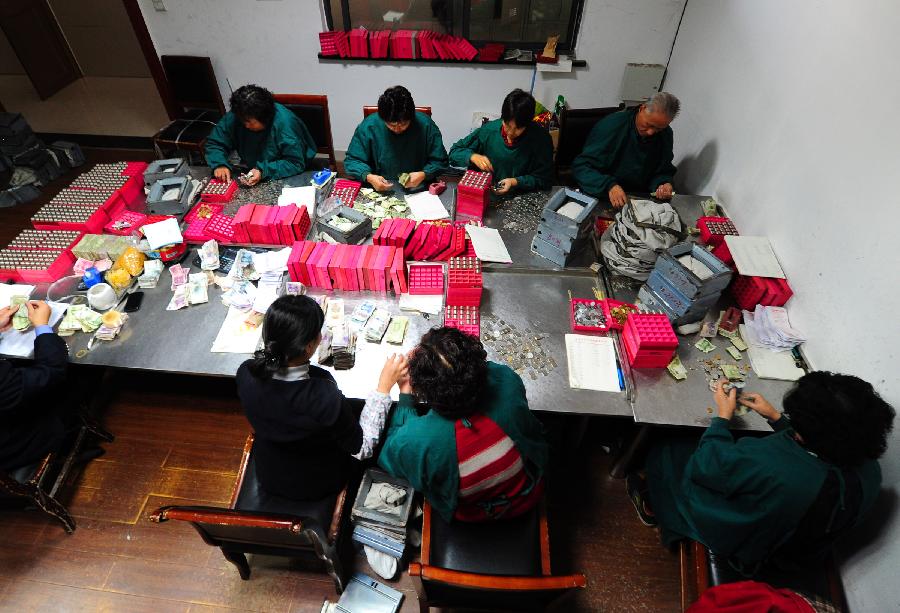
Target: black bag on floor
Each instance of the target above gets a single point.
(6, 171)
(34, 158)
(14, 130)
(71, 151)
(18, 195)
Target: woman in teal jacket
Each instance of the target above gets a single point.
(270, 140)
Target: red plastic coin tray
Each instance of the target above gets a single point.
(713, 230)
(204, 210)
(473, 193)
(134, 169)
(457, 245)
(359, 42)
(608, 305)
(398, 272)
(59, 217)
(722, 252)
(219, 191)
(301, 223)
(195, 231)
(43, 266)
(649, 339)
(221, 228)
(464, 286)
(414, 245)
(45, 239)
(242, 223)
(383, 229)
(383, 268)
(581, 328)
(284, 219)
(748, 291)
(134, 220)
(465, 318)
(778, 292)
(335, 272)
(346, 190)
(425, 278)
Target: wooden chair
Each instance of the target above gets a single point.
(368, 110)
(39, 483)
(574, 127)
(701, 569)
(313, 112)
(195, 93)
(257, 522)
(492, 565)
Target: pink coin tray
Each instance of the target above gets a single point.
(463, 317)
(219, 191)
(582, 328)
(221, 228)
(425, 279)
(134, 220)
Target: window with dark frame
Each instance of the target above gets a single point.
(519, 24)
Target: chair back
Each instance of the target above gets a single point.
(192, 83)
(574, 127)
(313, 112)
(369, 110)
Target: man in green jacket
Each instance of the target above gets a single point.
(630, 151)
(270, 140)
(397, 140)
(788, 495)
(515, 149)
(479, 452)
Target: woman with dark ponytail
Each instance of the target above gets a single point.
(306, 431)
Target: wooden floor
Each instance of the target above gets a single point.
(178, 440)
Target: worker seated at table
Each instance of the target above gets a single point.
(306, 432)
(516, 150)
(269, 139)
(786, 496)
(630, 151)
(397, 140)
(34, 418)
(478, 453)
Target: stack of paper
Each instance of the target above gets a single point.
(426, 206)
(592, 363)
(769, 364)
(771, 328)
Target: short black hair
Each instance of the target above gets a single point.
(518, 106)
(840, 418)
(448, 371)
(291, 323)
(396, 104)
(253, 102)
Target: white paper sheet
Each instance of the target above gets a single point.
(423, 303)
(21, 344)
(305, 195)
(768, 364)
(488, 244)
(592, 363)
(754, 256)
(163, 233)
(425, 206)
(8, 291)
(271, 260)
(264, 299)
(235, 336)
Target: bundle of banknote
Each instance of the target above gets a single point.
(677, 369)
(378, 325)
(179, 275)
(20, 320)
(79, 318)
(396, 332)
(113, 321)
(343, 348)
(240, 295)
(334, 313)
(294, 288)
(362, 312)
(198, 284)
(209, 255)
(150, 277)
(180, 298)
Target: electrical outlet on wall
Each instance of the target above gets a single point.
(159, 5)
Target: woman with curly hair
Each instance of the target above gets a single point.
(307, 433)
(478, 453)
(786, 496)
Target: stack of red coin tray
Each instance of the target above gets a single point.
(464, 282)
(347, 267)
(425, 279)
(394, 231)
(359, 42)
(473, 193)
(379, 43)
(219, 191)
(221, 228)
(50, 240)
(334, 44)
(35, 265)
(346, 190)
(425, 44)
(649, 339)
(403, 45)
(768, 291)
(463, 317)
(491, 52)
(63, 217)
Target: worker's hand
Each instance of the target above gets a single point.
(482, 162)
(415, 179)
(6, 315)
(617, 197)
(725, 401)
(253, 177)
(756, 402)
(38, 312)
(222, 173)
(664, 191)
(505, 186)
(395, 369)
(379, 183)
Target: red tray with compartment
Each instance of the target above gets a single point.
(425, 278)
(649, 340)
(582, 328)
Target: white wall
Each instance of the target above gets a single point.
(788, 121)
(274, 44)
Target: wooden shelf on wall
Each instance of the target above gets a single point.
(474, 63)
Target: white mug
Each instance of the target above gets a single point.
(101, 297)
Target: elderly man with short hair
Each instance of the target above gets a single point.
(630, 151)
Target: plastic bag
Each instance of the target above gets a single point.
(132, 261)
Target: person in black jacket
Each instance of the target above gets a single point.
(33, 419)
(307, 433)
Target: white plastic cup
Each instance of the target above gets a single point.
(101, 297)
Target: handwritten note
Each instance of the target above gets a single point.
(754, 256)
(592, 363)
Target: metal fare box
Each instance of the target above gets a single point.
(556, 220)
(164, 169)
(171, 196)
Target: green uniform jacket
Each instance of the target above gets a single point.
(281, 150)
(529, 160)
(422, 449)
(615, 154)
(744, 498)
(376, 150)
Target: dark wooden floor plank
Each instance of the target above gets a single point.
(52, 565)
(37, 596)
(205, 458)
(212, 487)
(133, 452)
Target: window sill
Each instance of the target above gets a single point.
(475, 63)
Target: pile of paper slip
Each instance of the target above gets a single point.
(772, 329)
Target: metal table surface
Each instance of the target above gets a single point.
(660, 399)
(516, 219)
(535, 306)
